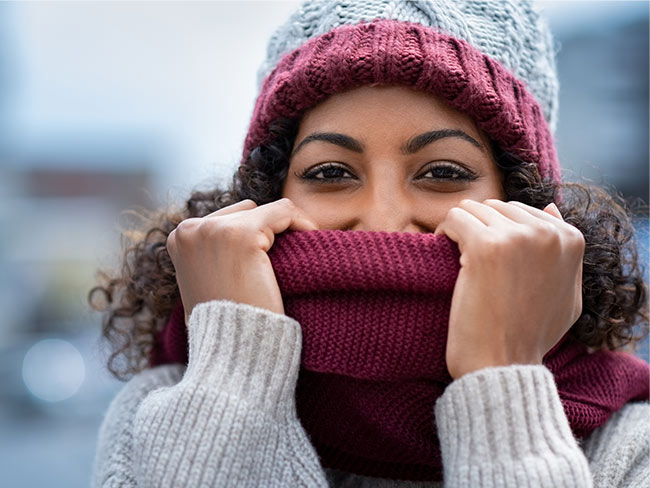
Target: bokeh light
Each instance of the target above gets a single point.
(53, 370)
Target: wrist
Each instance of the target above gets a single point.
(469, 363)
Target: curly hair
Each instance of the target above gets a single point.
(138, 299)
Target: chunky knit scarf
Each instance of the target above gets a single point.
(374, 309)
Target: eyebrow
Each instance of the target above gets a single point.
(342, 140)
(411, 147)
(419, 141)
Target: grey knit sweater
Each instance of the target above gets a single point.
(229, 419)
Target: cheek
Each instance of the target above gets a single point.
(490, 186)
(326, 212)
(496, 190)
(430, 213)
(329, 213)
(495, 185)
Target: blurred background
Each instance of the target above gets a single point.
(110, 105)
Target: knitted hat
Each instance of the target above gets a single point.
(491, 59)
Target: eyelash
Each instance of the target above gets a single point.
(310, 173)
(458, 172)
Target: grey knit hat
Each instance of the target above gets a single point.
(508, 31)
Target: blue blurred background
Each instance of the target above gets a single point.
(111, 105)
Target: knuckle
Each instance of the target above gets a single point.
(171, 242)
(577, 238)
(545, 228)
(246, 204)
(185, 228)
(466, 203)
(546, 235)
(523, 236)
(236, 234)
(205, 229)
(517, 237)
(226, 231)
(492, 244)
(492, 202)
(287, 203)
(454, 213)
(553, 239)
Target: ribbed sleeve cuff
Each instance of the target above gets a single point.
(507, 425)
(249, 352)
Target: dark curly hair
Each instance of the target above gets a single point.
(138, 298)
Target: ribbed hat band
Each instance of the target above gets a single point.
(390, 52)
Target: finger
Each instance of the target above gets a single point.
(552, 209)
(247, 204)
(460, 225)
(537, 212)
(513, 212)
(485, 213)
(282, 215)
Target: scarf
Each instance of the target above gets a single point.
(374, 311)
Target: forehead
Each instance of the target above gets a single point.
(384, 111)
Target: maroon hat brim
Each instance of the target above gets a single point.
(391, 52)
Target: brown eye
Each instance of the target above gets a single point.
(447, 172)
(327, 172)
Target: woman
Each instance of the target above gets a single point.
(337, 335)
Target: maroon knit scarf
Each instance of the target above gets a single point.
(374, 310)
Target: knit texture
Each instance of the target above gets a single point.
(508, 31)
(374, 307)
(231, 420)
(463, 414)
(385, 52)
(211, 423)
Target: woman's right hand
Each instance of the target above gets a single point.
(223, 256)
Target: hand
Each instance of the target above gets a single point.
(223, 256)
(519, 288)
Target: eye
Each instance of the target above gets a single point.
(326, 172)
(447, 172)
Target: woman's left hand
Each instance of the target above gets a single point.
(519, 289)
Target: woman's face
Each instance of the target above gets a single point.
(388, 159)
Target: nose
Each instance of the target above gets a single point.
(387, 212)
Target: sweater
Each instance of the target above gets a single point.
(229, 419)
(373, 309)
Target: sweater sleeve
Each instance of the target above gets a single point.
(619, 451)
(229, 421)
(505, 426)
